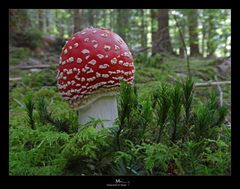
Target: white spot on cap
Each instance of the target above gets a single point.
(114, 61)
(75, 45)
(111, 72)
(65, 51)
(74, 69)
(86, 67)
(95, 46)
(85, 51)
(76, 77)
(98, 75)
(73, 82)
(64, 62)
(64, 77)
(69, 72)
(120, 62)
(70, 47)
(107, 47)
(111, 81)
(105, 75)
(100, 56)
(86, 39)
(83, 33)
(79, 60)
(82, 79)
(93, 62)
(71, 59)
(73, 38)
(104, 35)
(94, 31)
(103, 66)
(90, 71)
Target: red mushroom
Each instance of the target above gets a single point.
(93, 62)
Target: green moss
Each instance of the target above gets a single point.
(46, 151)
(18, 54)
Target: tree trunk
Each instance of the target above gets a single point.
(153, 30)
(48, 20)
(193, 33)
(161, 39)
(41, 19)
(143, 33)
(77, 20)
(211, 44)
(91, 17)
(19, 20)
(122, 22)
(59, 24)
(19, 23)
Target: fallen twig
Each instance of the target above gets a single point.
(205, 84)
(15, 79)
(211, 83)
(31, 67)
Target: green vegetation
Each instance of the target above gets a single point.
(19, 54)
(164, 128)
(166, 124)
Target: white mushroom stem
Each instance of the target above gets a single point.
(104, 108)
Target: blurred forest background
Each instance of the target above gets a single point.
(207, 32)
(167, 45)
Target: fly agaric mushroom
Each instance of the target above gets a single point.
(93, 62)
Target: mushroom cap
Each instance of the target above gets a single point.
(92, 64)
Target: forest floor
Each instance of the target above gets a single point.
(33, 72)
(25, 63)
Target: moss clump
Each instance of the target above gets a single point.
(18, 54)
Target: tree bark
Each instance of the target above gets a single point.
(41, 19)
(153, 30)
(19, 20)
(143, 33)
(211, 44)
(77, 20)
(161, 39)
(122, 22)
(193, 33)
(19, 25)
(91, 17)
